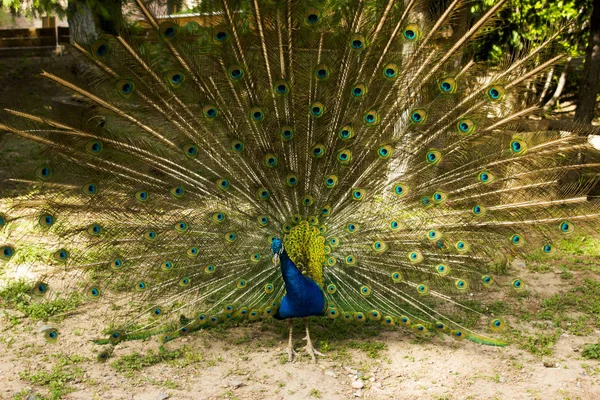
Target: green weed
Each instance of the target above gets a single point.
(57, 379)
(591, 351)
(18, 295)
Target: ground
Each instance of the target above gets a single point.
(553, 353)
(248, 362)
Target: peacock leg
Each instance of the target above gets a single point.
(309, 346)
(291, 352)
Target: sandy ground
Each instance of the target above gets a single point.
(247, 363)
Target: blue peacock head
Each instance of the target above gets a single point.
(276, 246)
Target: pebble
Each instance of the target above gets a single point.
(358, 393)
(351, 370)
(236, 384)
(331, 373)
(162, 396)
(358, 384)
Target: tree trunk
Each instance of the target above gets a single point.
(82, 25)
(588, 87)
(562, 80)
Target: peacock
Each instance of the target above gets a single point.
(289, 159)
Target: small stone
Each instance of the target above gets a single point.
(576, 349)
(358, 393)
(550, 364)
(351, 370)
(331, 373)
(358, 384)
(236, 384)
(162, 396)
(372, 379)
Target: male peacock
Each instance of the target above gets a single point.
(351, 142)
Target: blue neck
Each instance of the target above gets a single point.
(303, 298)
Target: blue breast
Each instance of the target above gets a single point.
(303, 298)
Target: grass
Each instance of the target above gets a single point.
(56, 380)
(591, 351)
(18, 295)
(574, 310)
(135, 362)
(539, 344)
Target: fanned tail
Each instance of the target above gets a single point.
(357, 125)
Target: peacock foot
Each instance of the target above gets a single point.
(291, 353)
(309, 348)
(290, 350)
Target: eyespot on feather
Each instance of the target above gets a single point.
(43, 173)
(235, 72)
(262, 193)
(175, 78)
(168, 29)
(322, 72)
(447, 86)
(100, 48)
(465, 126)
(346, 132)
(495, 92)
(357, 42)
(371, 118)
(418, 116)
(390, 71)
(210, 112)
(125, 87)
(344, 156)
(256, 114)
(220, 34)
(411, 32)
(317, 109)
